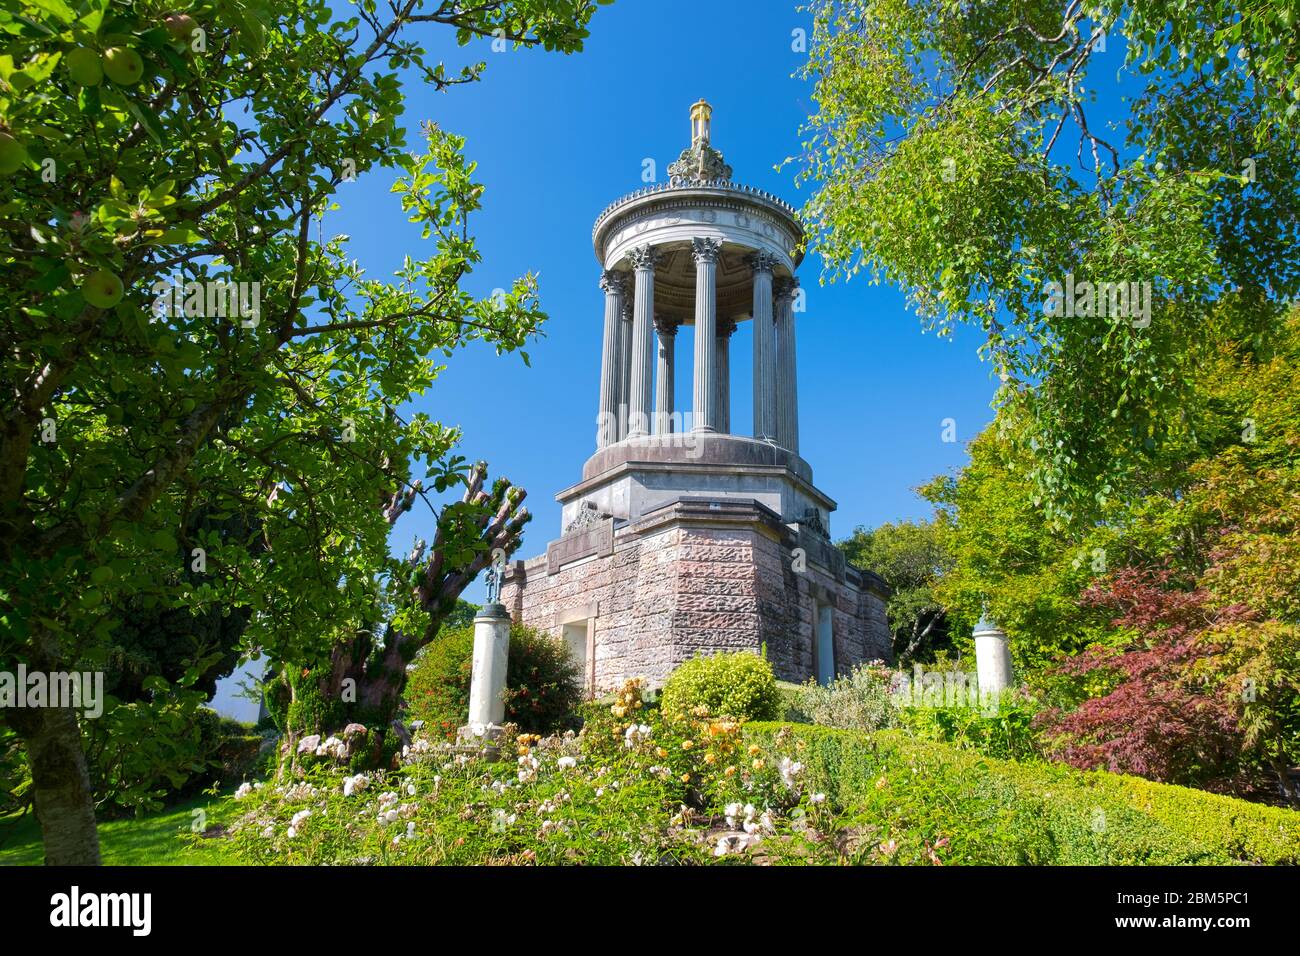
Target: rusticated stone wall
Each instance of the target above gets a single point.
(701, 576)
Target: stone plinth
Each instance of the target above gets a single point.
(699, 575)
(992, 659)
(632, 478)
(487, 709)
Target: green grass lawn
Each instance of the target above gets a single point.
(158, 839)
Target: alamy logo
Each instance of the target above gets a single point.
(214, 298)
(1121, 300)
(103, 909)
(80, 691)
(951, 688)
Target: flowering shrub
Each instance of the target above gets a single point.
(858, 701)
(641, 787)
(740, 685)
(543, 685)
(634, 787)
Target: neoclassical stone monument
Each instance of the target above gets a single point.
(682, 537)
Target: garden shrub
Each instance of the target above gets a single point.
(912, 797)
(543, 684)
(1008, 732)
(640, 786)
(857, 701)
(738, 685)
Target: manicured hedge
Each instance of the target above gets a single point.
(915, 796)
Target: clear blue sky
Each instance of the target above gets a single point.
(557, 138)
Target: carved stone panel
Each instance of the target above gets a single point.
(597, 539)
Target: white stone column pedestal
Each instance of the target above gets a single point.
(487, 709)
(992, 662)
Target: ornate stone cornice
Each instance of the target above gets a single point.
(644, 257)
(719, 194)
(761, 261)
(706, 250)
(612, 280)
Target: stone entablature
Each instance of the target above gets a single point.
(665, 213)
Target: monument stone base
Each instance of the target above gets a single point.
(681, 573)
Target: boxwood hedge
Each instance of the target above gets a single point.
(913, 795)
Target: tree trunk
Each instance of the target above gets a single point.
(65, 805)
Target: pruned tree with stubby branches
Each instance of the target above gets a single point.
(362, 679)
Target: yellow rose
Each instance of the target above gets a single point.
(730, 771)
(754, 750)
(710, 759)
(759, 764)
(687, 744)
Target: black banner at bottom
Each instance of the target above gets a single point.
(214, 905)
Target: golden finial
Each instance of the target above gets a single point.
(700, 113)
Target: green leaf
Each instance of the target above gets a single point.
(148, 119)
(178, 235)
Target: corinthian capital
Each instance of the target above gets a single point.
(665, 325)
(706, 250)
(611, 280)
(726, 326)
(644, 257)
(761, 261)
(784, 286)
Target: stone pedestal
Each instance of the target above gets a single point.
(992, 659)
(487, 711)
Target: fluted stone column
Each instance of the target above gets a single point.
(725, 329)
(764, 347)
(667, 330)
(607, 431)
(624, 363)
(705, 413)
(642, 378)
(787, 386)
